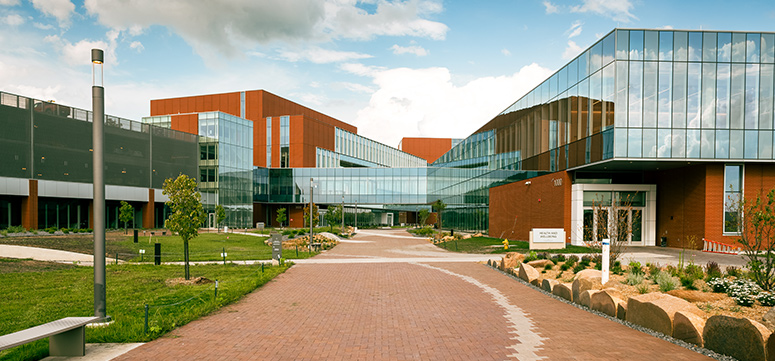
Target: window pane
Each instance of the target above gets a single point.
(665, 45)
(679, 95)
(636, 45)
(765, 145)
(693, 87)
(735, 144)
(751, 144)
(695, 46)
(679, 143)
(722, 96)
(708, 143)
(738, 47)
(768, 48)
(724, 47)
(692, 143)
(650, 75)
(752, 48)
(722, 144)
(708, 95)
(608, 49)
(620, 142)
(651, 46)
(634, 143)
(709, 47)
(736, 95)
(665, 94)
(621, 93)
(664, 143)
(732, 178)
(680, 45)
(635, 93)
(766, 96)
(649, 143)
(622, 44)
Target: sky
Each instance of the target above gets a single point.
(412, 68)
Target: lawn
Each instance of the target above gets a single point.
(35, 294)
(495, 245)
(205, 247)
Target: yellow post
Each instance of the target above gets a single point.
(505, 243)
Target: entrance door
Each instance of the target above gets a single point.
(390, 219)
(627, 222)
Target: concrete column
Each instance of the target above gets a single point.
(30, 207)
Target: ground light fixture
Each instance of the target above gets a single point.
(98, 118)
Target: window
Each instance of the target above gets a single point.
(733, 191)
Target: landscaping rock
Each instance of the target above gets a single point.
(528, 273)
(606, 301)
(741, 338)
(688, 326)
(563, 290)
(511, 260)
(540, 263)
(656, 311)
(695, 296)
(584, 297)
(768, 320)
(548, 285)
(586, 280)
(621, 311)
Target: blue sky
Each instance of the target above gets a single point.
(391, 68)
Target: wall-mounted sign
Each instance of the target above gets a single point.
(557, 182)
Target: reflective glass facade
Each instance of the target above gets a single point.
(366, 150)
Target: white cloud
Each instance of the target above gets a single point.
(232, 27)
(551, 8)
(575, 29)
(13, 20)
(505, 52)
(414, 49)
(9, 2)
(426, 102)
(357, 88)
(43, 26)
(60, 9)
(572, 50)
(666, 27)
(136, 45)
(322, 56)
(618, 10)
(360, 69)
(80, 52)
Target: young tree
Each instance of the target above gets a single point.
(439, 206)
(126, 213)
(187, 213)
(315, 215)
(281, 217)
(755, 222)
(610, 219)
(422, 216)
(220, 215)
(333, 215)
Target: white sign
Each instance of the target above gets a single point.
(547, 238)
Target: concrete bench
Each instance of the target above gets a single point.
(66, 337)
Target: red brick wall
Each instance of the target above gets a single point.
(681, 200)
(517, 208)
(428, 148)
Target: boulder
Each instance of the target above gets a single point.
(656, 311)
(548, 284)
(537, 282)
(606, 301)
(511, 260)
(528, 273)
(741, 338)
(540, 263)
(768, 320)
(589, 279)
(563, 290)
(621, 311)
(688, 326)
(585, 297)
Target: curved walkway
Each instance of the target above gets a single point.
(402, 310)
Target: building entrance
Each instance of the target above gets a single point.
(625, 211)
(603, 222)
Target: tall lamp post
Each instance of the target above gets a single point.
(342, 229)
(98, 118)
(311, 211)
(356, 213)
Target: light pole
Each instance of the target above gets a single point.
(311, 210)
(98, 118)
(356, 214)
(342, 229)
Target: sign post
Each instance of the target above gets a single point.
(606, 254)
(277, 246)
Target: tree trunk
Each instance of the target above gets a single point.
(185, 257)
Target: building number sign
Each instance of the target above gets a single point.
(557, 182)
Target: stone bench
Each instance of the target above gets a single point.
(66, 336)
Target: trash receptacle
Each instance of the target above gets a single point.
(663, 241)
(135, 235)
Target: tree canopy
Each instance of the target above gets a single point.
(187, 213)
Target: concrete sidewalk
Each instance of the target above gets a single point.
(49, 255)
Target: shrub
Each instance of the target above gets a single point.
(571, 260)
(743, 291)
(766, 299)
(719, 285)
(424, 231)
(694, 271)
(565, 266)
(635, 268)
(642, 288)
(665, 281)
(653, 268)
(558, 258)
(713, 270)
(672, 270)
(548, 267)
(634, 279)
(542, 255)
(587, 258)
(579, 267)
(532, 256)
(733, 271)
(617, 268)
(687, 281)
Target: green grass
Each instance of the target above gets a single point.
(486, 245)
(205, 247)
(32, 298)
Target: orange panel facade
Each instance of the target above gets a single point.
(518, 207)
(188, 123)
(30, 207)
(429, 149)
(148, 211)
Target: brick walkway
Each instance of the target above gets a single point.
(402, 311)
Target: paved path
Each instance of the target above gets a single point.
(408, 310)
